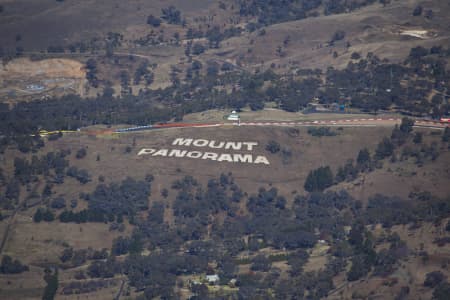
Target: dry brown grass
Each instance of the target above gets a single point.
(411, 272)
(374, 28)
(43, 242)
(404, 177)
(44, 23)
(28, 285)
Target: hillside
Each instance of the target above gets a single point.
(209, 149)
(237, 35)
(197, 203)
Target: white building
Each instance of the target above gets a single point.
(212, 279)
(234, 116)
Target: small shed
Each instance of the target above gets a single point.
(232, 282)
(234, 116)
(212, 279)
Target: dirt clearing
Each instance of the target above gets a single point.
(24, 77)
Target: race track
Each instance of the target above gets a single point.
(350, 122)
(363, 122)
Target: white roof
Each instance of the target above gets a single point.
(214, 277)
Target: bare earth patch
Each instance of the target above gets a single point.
(24, 77)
